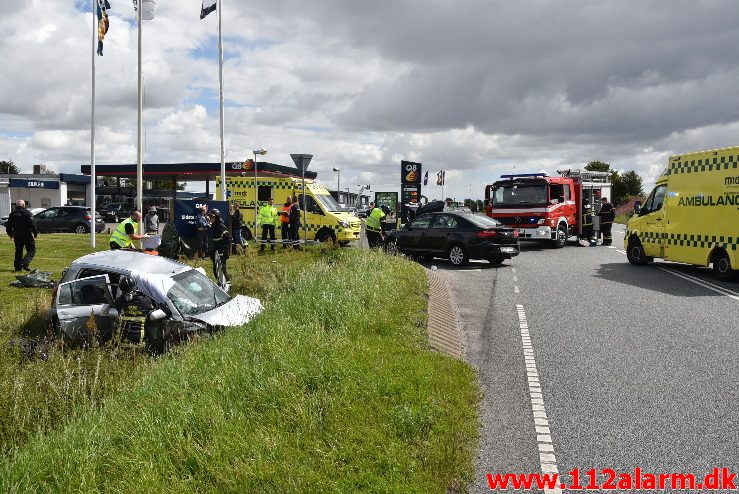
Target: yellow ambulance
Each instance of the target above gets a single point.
(324, 219)
(692, 215)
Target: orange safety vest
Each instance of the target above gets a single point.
(285, 216)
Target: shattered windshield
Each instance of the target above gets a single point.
(193, 293)
(518, 195)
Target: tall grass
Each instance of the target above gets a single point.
(331, 389)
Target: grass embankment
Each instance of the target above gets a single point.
(331, 389)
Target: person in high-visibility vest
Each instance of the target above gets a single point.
(374, 227)
(125, 233)
(285, 222)
(269, 219)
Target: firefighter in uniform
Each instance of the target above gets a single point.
(295, 223)
(374, 227)
(607, 215)
(268, 219)
(125, 233)
(221, 242)
(587, 223)
(133, 311)
(285, 222)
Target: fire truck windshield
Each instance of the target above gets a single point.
(513, 194)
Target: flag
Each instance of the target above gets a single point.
(426, 178)
(443, 177)
(148, 9)
(438, 178)
(103, 23)
(208, 7)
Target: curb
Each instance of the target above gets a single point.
(443, 329)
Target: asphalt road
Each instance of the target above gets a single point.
(627, 366)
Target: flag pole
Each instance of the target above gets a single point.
(92, 124)
(220, 80)
(139, 152)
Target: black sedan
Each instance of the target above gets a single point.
(458, 237)
(75, 219)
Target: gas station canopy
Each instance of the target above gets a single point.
(197, 171)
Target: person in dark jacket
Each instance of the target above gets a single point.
(221, 242)
(237, 222)
(607, 214)
(22, 229)
(133, 311)
(151, 221)
(295, 223)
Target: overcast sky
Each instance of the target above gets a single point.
(476, 87)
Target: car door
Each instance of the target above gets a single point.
(76, 301)
(413, 239)
(45, 220)
(441, 232)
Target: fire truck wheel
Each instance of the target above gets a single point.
(561, 239)
(635, 253)
(722, 266)
(457, 255)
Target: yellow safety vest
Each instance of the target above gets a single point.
(120, 236)
(268, 215)
(373, 220)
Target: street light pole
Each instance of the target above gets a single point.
(338, 183)
(261, 152)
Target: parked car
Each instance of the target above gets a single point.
(115, 212)
(458, 237)
(191, 302)
(75, 219)
(33, 211)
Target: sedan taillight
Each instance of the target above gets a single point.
(487, 233)
(515, 233)
(88, 217)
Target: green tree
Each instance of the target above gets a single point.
(625, 186)
(598, 166)
(9, 167)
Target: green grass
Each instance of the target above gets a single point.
(331, 389)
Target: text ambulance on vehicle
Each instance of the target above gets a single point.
(546, 208)
(324, 219)
(692, 215)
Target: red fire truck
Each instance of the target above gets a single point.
(544, 207)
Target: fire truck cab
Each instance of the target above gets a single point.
(544, 207)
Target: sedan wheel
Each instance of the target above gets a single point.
(391, 247)
(495, 260)
(80, 229)
(457, 255)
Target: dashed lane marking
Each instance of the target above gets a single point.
(516, 290)
(547, 459)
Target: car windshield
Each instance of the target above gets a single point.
(482, 221)
(194, 293)
(327, 202)
(513, 194)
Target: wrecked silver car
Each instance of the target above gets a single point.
(187, 301)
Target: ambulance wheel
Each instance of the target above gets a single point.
(561, 239)
(327, 236)
(457, 255)
(722, 266)
(635, 254)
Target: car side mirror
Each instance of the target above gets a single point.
(157, 315)
(561, 199)
(637, 207)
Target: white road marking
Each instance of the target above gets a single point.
(516, 290)
(547, 458)
(515, 278)
(513, 270)
(621, 251)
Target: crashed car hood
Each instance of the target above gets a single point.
(237, 311)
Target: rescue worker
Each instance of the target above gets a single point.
(125, 233)
(607, 214)
(202, 229)
(22, 230)
(587, 223)
(285, 222)
(237, 222)
(374, 227)
(268, 219)
(151, 221)
(489, 208)
(221, 242)
(133, 311)
(295, 223)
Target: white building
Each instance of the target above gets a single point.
(44, 190)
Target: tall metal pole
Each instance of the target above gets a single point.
(139, 153)
(256, 196)
(338, 183)
(220, 79)
(92, 125)
(305, 206)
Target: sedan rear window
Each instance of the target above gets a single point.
(194, 293)
(482, 221)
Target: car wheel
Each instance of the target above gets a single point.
(457, 255)
(561, 239)
(80, 229)
(722, 266)
(635, 253)
(391, 247)
(496, 260)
